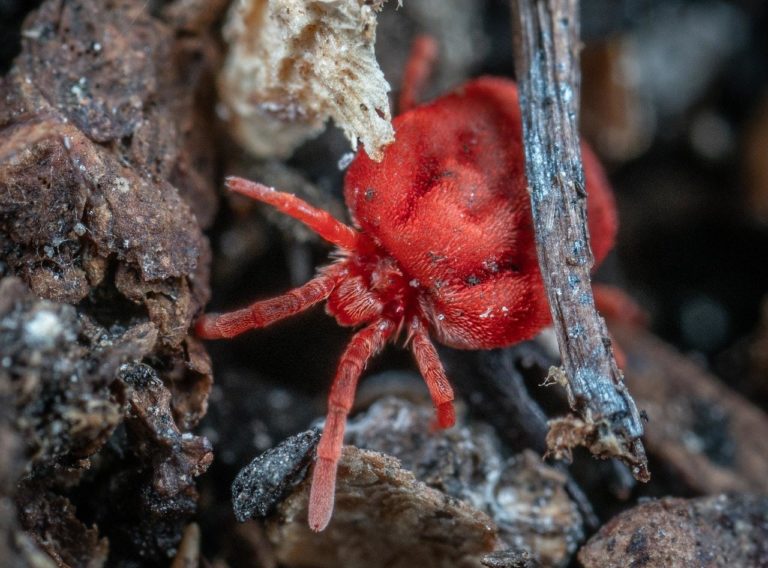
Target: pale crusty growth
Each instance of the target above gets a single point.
(293, 64)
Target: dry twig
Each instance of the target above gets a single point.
(546, 58)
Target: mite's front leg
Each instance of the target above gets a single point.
(364, 345)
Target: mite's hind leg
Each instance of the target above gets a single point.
(615, 305)
(418, 68)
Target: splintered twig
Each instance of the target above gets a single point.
(546, 43)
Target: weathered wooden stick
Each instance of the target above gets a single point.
(546, 44)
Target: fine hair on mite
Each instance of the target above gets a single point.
(442, 248)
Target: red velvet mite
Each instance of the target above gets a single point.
(442, 248)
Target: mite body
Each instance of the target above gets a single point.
(442, 247)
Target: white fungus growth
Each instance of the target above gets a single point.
(43, 329)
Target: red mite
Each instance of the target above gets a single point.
(442, 247)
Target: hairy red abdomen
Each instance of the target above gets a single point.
(449, 203)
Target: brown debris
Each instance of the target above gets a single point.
(147, 474)
(188, 555)
(568, 432)
(92, 130)
(57, 381)
(534, 512)
(58, 531)
(105, 178)
(57, 412)
(70, 206)
(716, 531)
(95, 208)
(383, 517)
(194, 16)
(525, 509)
(69, 50)
(191, 380)
(59, 377)
(527, 501)
(16, 547)
(709, 437)
(176, 458)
